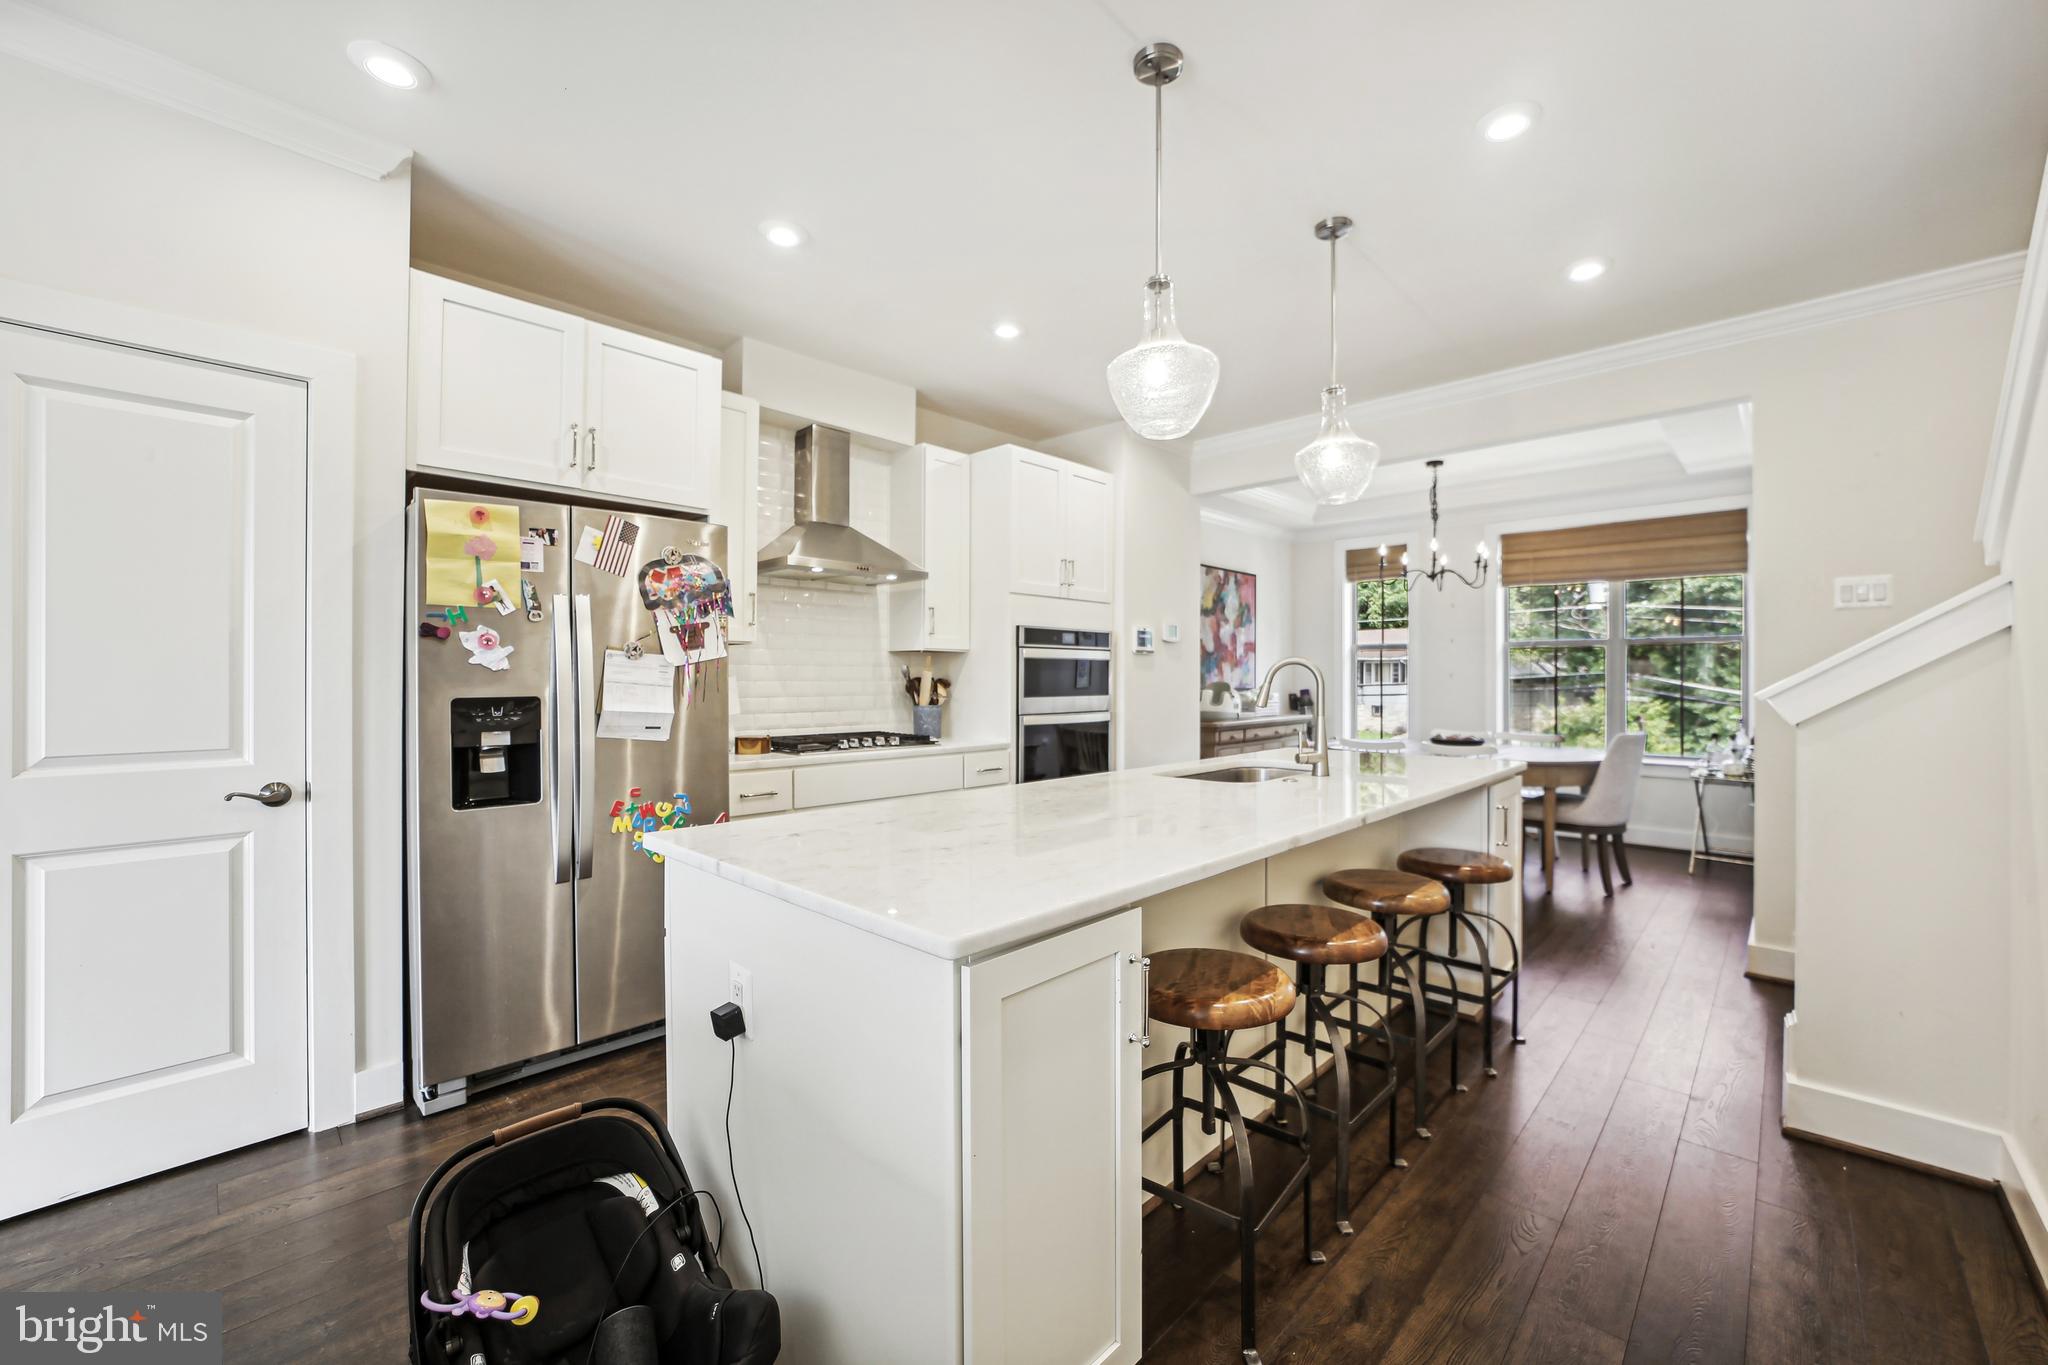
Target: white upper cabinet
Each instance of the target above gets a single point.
(506, 389)
(736, 508)
(1038, 556)
(1058, 522)
(1086, 518)
(931, 508)
(652, 419)
(497, 384)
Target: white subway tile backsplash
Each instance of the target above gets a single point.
(819, 659)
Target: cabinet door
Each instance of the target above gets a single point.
(1049, 1102)
(497, 384)
(652, 420)
(1038, 555)
(737, 507)
(946, 513)
(1086, 518)
(1503, 900)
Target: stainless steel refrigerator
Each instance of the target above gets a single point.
(534, 919)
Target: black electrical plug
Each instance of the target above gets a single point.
(727, 1021)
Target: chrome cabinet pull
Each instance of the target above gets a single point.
(269, 794)
(1144, 1000)
(593, 449)
(931, 620)
(757, 796)
(753, 600)
(575, 443)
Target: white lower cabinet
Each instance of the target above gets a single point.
(760, 792)
(1050, 1057)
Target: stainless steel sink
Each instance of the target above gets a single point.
(1243, 774)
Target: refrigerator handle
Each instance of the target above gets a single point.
(564, 745)
(586, 739)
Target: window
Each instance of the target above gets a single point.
(1380, 656)
(1659, 655)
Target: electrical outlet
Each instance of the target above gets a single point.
(1863, 592)
(741, 992)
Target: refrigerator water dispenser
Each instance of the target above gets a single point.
(494, 751)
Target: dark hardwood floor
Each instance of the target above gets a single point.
(1619, 1192)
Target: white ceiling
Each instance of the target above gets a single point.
(958, 163)
(1700, 452)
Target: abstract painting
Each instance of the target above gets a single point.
(1230, 627)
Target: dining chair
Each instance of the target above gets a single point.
(1600, 817)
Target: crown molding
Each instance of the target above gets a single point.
(49, 40)
(2026, 364)
(1934, 286)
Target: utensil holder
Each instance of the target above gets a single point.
(924, 721)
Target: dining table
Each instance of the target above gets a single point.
(1551, 767)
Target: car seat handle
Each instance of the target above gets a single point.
(513, 1131)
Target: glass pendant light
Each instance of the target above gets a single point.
(1338, 464)
(1162, 385)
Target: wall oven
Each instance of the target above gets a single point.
(1063, 703)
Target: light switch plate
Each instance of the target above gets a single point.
(1863, 591)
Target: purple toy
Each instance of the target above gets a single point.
(517, 1309)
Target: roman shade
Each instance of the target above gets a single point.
(1662, 547)
(1361, 566)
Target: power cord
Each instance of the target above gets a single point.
(731, 1079)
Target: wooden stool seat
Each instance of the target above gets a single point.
(1218, 989)
(1380, 892)
(1461, 865)
(1318, 934)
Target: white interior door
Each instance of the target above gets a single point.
(654, 414)
(1085, 517)
(153, 940)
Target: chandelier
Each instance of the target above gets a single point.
(1439, 569)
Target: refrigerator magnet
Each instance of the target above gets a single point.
(588, 541)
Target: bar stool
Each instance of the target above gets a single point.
(1390, 898)
(1316, 938)
(1458, 868)
(1214, 992)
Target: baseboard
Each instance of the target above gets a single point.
(1897, 1132)
(379, 1088)
(2025, 1202)
(1768, 961)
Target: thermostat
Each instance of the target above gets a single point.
(1170, 633)
(1141, 641)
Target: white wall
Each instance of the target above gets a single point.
(1271, 557)
(132, 203)
(1870, 434)
(1157, 695)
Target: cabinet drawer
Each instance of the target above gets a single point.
(831, 784)
(759, 793)
(991, 769)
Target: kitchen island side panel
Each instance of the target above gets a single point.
(845, 1118)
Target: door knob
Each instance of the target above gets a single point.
(270, 794)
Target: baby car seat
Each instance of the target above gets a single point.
(588, 1209)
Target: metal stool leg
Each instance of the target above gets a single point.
(1311, 978)
(1389, 965)
(1180, 1055)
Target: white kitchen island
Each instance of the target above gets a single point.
(938, 1102)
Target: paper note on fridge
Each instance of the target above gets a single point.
(637, 699)
(588, 540)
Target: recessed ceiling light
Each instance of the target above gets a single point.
(1588, 270)
(1510, 121)
(386, 64)
(1008, 331)
(784, 235)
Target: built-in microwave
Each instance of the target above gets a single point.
(1063, 703)
(1061, 672)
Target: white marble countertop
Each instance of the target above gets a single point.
(742, 763)
(962, 873)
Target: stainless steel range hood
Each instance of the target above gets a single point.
(821, 547)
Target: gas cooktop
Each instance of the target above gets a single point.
(850, 739)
